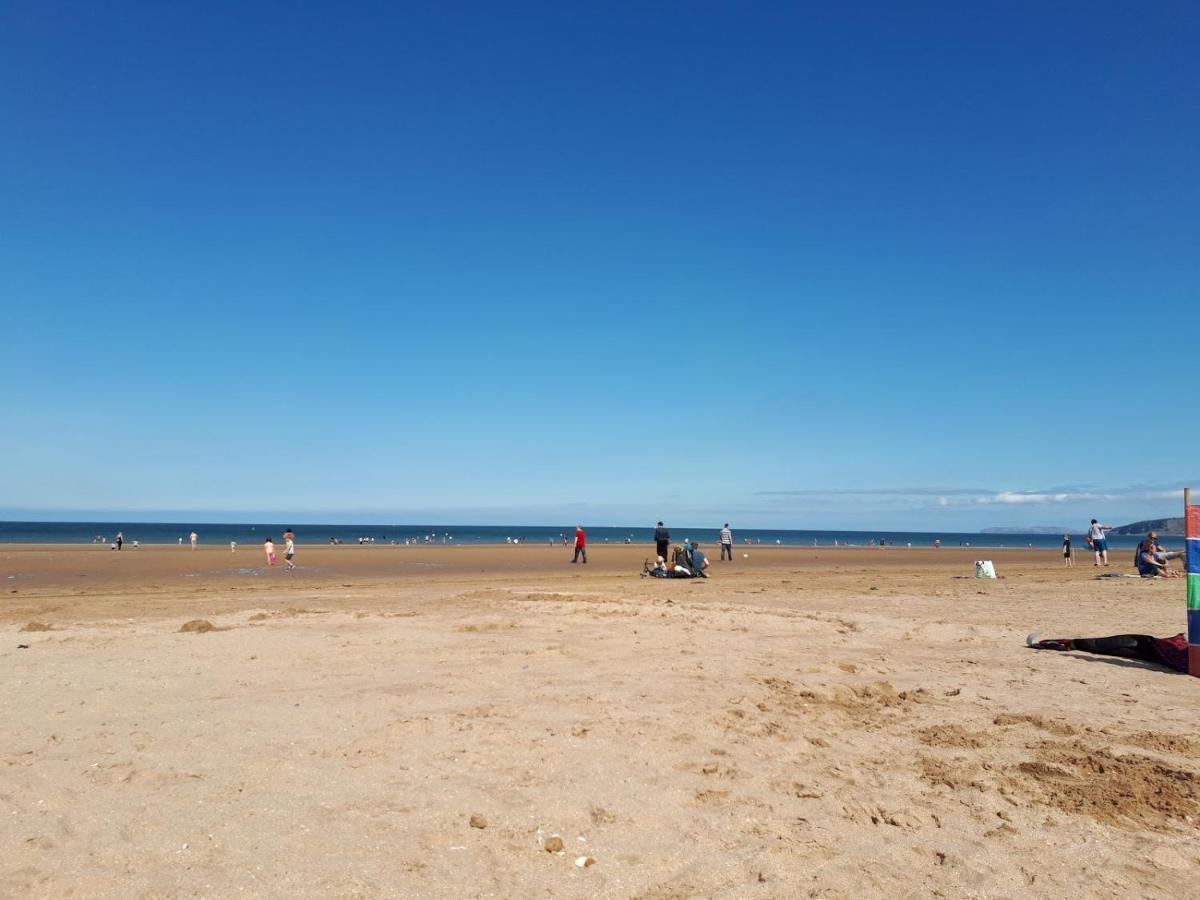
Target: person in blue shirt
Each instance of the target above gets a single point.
(1151, 560)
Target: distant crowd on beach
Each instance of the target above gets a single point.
(1150, 559)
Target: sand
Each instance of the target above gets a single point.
(424, 722)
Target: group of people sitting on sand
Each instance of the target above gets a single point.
(687, 561)
(1151, 560)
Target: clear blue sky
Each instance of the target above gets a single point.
(449, 262)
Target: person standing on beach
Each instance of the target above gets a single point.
(194, 537)
(726, 543)
(1068, 556)
(580, 545)
(120, 539)
(289, 548)
(1098, 538)
(269, 550)
(662, 540)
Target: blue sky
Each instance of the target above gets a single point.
(881, 266)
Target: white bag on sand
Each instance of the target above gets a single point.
(984, 569)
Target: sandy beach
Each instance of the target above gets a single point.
(422, 721)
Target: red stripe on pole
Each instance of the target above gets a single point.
(1193, 521)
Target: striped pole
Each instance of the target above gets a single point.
(1192, 530)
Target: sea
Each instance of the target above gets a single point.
(223, 533)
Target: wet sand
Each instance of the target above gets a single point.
(808, 722)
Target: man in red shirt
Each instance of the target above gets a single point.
(580, 545)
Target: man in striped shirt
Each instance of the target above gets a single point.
(726, 543)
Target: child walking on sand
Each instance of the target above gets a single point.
(269, 549)
(289, 548)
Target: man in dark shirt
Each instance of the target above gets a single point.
(662, 540)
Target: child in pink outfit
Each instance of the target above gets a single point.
(269, 548)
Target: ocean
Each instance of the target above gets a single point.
(218, 533)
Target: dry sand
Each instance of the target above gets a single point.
(807, 723)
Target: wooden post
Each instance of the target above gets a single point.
(1191, 532)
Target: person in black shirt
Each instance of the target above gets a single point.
(662, 540)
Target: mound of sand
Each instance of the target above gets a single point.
(198, 626)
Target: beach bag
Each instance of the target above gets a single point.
(984, 569)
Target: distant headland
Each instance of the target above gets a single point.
(1172, 525)
(1169, 526)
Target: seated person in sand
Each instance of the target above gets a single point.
(699, 561)
(1151, 560)
(1171, 652)
(658, 570)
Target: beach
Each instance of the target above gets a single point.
(422, 721)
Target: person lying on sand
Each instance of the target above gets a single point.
(1171, 652)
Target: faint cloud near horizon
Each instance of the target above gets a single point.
(967, 497)
(871, 492)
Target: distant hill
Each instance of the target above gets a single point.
(1027, 529)
(1168, 526)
